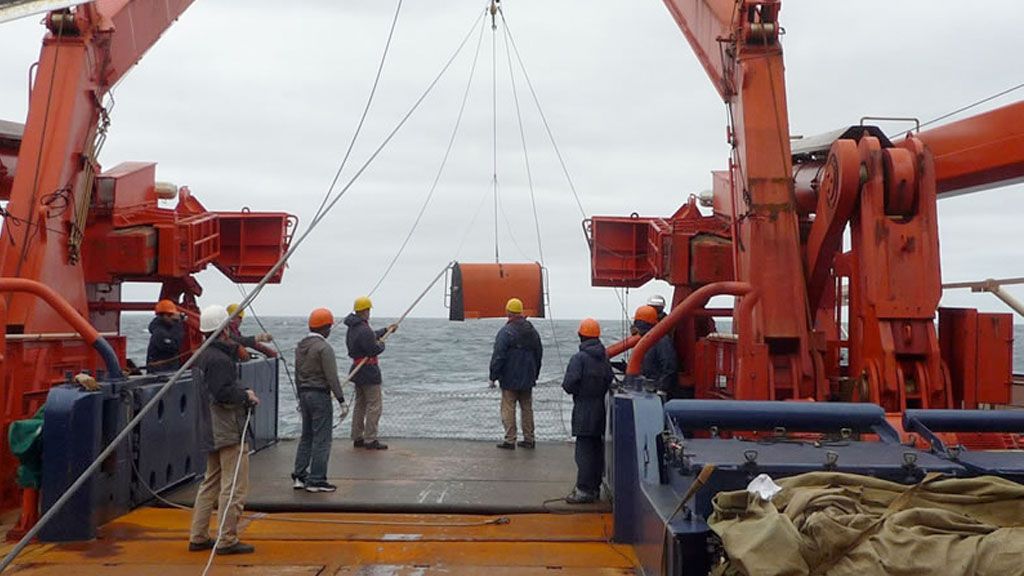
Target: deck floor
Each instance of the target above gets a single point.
(421, 508)
(418, 476)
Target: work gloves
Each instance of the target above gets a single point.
(343, 408)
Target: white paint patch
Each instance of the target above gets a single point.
(402, 537)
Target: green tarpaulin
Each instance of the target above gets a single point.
(846, 525)
(26, 439)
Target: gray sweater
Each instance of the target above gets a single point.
(316, 367)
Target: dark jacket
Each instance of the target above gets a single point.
(315, 366)
(363, 342)
(660, 365)
(222, 394)
(587, 378)
(515, 362)
(164, 345)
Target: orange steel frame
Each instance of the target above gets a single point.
(82, 231)
(778, 224)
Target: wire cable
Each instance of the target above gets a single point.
(366, 109)
(440, 170)
(59, 504)
(973, 104)
(547, 126)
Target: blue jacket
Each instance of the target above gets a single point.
(515, 362)
(163, 354)
(363, 342)
(587, 378)
(661, 364)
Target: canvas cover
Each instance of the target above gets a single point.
(847, 525)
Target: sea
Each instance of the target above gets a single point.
(435, 374)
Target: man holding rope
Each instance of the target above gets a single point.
(222, 436)
(364, 346)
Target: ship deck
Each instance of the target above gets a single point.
(418, 476)
(424, 507)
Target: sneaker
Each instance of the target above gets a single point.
(578, 496)
(200, 546)
(320, 487)
(236, 548)
(298, 483)
(375, 445)
(507, 446)
(528, 444)
(358, 443)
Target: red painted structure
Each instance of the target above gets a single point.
(83, 232)
(779, 218)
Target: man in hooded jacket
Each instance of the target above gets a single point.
(515, 363)
(588, 378)
(165, 337)
(364, 346)
(660, 365)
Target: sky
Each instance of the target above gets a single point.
(255, 108)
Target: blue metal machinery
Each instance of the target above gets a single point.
(162, 453)
(658, 449)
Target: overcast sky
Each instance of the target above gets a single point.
(253, 104)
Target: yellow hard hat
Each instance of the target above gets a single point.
(514, 306)
(232, 308)
(362, 303)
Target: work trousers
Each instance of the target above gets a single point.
(589, 463)
(366, 412)
(508, 413)
(315, 444)
(214, 491)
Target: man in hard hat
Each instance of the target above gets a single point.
(316, 374)
(254, 342)
(660, 365)
(364, 346)
(515, 364)
(658, 303)
(587, 378)
(165, 337)
(224, 405)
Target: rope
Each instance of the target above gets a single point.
(366, 110)
(494, 121)
(95, 465)
(440, 170)
(547, 127)
(973, 104)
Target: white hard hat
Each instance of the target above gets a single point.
(658, 301)
(212, 317)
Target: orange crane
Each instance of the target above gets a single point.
(82, 231)
(779, 215)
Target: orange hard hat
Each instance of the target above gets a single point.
(320, 317)
(166, 307)
(589, 328)
(646, 314)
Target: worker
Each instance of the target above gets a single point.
(364, 346)
(224, 404)
(166, 334)
(660, 364)
(515, 364)
(316, 374)
(254, 342)
(588, 378)
(658, 303)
